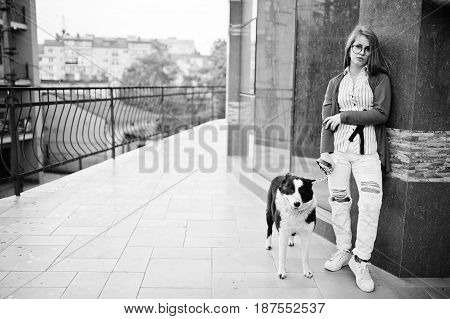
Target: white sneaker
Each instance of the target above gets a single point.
(362, 274)
(338, 260)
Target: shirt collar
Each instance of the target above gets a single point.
(365, 68)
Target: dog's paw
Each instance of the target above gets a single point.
(308, 274)
(282, 275)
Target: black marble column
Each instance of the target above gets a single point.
(413, 237)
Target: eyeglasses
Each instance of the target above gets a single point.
(358, 48)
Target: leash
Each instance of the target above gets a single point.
(320, 180)
(326, 167)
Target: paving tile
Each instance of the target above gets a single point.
(52, 280)
(29, 258)
(84, 264)
(18, 279)
(154, 212)
(342, 285)
(252, 238)
(223, 212)
(6, 292)
(6, 221)
(190, 204)
(162, 223)
(86, 285)
(3, 275)
(271, 280)
(32, 226)
(6, 240)
(154, 237)
(63, 211)
(425, 282)
(90, 219)
(37, 293)
(285, 293)
(211, 242)
(75, 244)
(294, 265)
(230, 286)
(242, 260)
(174, 293)
(250, 218)
(43, 241)
(102, 247)
(134, 259)
(178, 273)
(438, 292)
(212, 229)
(122, 286)
(123, 227)
(181, 253)
(189, 215)
(79, 231)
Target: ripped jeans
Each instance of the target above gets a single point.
(367, 172)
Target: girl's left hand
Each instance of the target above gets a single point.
(332, 122)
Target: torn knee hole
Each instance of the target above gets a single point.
(339, 195)
(370, 187)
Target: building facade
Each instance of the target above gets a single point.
(282, 54)
(24, 36)
(89, 58)
(25, 73)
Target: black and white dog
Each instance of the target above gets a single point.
(291, 205)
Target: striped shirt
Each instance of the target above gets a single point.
(355, 96)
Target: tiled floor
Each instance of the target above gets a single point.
(154, 224)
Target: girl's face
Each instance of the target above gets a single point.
(360, 51)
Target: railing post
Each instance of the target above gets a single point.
(111, 93)
(9, 51)
(14, 143)
(193, 109)
(162, 113)
(212, 103)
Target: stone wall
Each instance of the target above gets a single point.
(419, 156)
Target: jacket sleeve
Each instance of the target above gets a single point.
(379, 113)
(327, 136)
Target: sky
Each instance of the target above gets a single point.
(200, 20)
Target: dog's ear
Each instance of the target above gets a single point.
(284, 182)
(308, 182)
(286, 178)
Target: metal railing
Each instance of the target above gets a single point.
(44, 129)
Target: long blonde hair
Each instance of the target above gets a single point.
(377, 62)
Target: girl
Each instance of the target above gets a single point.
(355, 109)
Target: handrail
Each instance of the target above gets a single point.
(56, 127)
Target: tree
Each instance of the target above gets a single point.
(218, 58)
(154, 69)
(213, 72)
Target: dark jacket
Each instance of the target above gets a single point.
(377, 116)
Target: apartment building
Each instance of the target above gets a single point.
(24, 37)
(25, 73)
(90, 58)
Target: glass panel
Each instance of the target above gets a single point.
(248, 46)
(323, 27)
(274, 86)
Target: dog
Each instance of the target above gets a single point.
(291, 205)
